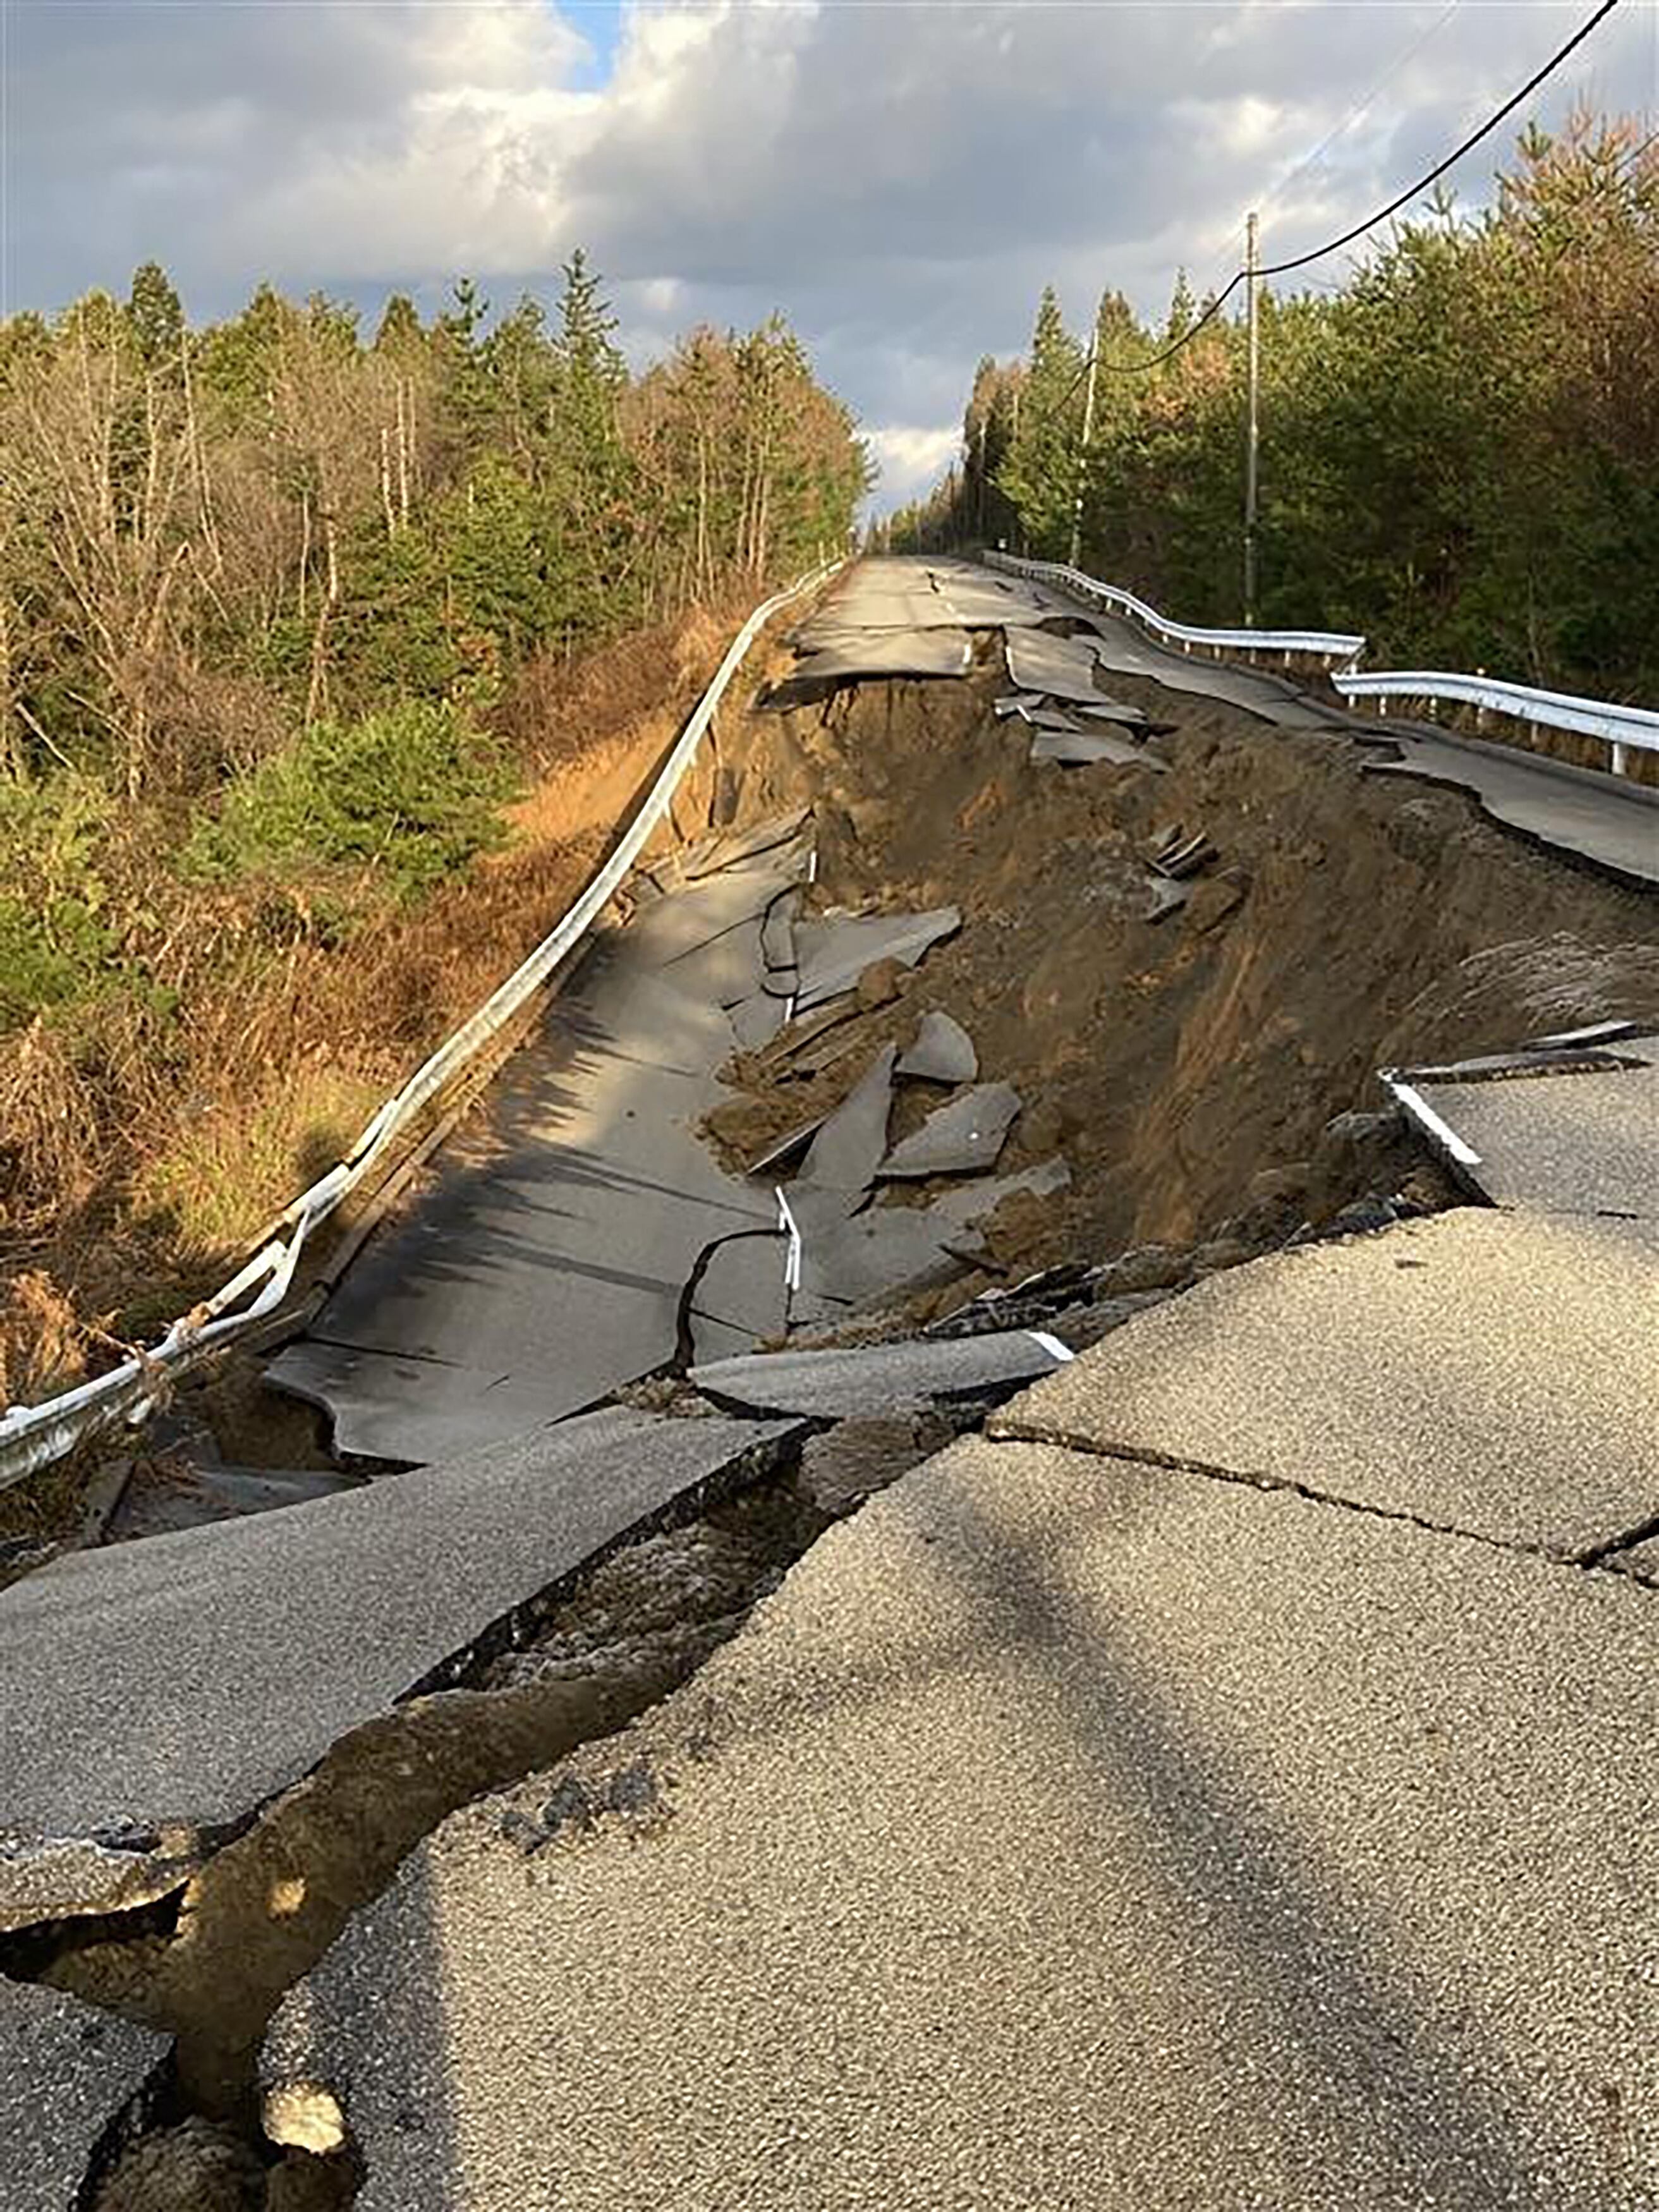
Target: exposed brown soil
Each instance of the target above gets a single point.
(209, 1968)
(1185, 1068)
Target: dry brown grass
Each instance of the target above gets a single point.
(42, 1343)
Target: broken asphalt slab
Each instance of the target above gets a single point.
(75, 2081)
(834, 950)
(1064, 1832)
(154, 1696)
(850, 1259)
(1573, 1143)
(880, 1380)
(1124, 650)
(1488, 1372)
(851, 1141)
(1089, 748)
(941, 1052)
(963, 1137)
(1050, 667)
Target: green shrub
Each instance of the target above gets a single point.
(48, 957)
(412, 793)
(56, 948)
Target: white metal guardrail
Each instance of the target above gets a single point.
(1619, 728)
(1317, 644)
(33, 1436)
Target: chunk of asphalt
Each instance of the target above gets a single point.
(756, 1019)
(963, 1137)
(849, 1259)
(1581, 1143)
(941, 1052)
(1115, 710)
(75, 2081)
(1087, 747)
(1489, 1372)
(1164, 897)
(879, 1379)
(1131, 1818)
(1053, 667)
(836, 952)
(849, 1147)
(154, 1696)
(734, 848)
(778, 931)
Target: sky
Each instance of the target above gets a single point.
(900, 178)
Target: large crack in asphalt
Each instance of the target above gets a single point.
(1011, 1430)
(208, 1965)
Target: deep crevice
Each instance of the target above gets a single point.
(210, 1963)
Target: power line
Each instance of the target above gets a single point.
(1358, 230)
(1300, 260)
(1309, 160)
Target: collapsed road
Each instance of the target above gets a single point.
(1216, 1768)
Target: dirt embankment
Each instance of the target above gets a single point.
(1186, 1068)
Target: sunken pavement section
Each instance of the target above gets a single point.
(1224, 1780)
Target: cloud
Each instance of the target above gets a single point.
(900, 181)
(910, 458)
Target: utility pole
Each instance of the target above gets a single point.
(1253, 426)
(1082, 448)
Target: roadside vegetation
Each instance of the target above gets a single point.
(1460, 444)
(290, 618)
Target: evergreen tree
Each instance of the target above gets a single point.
(1039, 471)
(399, 331)
(156, 317)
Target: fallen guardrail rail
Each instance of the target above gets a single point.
(34, 1437)
(1331, 649)
(1619, 728)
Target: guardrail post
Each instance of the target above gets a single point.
(1618, 764)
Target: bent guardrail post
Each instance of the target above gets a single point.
(34, 1437)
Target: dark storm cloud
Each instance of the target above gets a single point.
(901, 180)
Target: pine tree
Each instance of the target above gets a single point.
(399, 331)
(156, 316)
(1039, 473)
